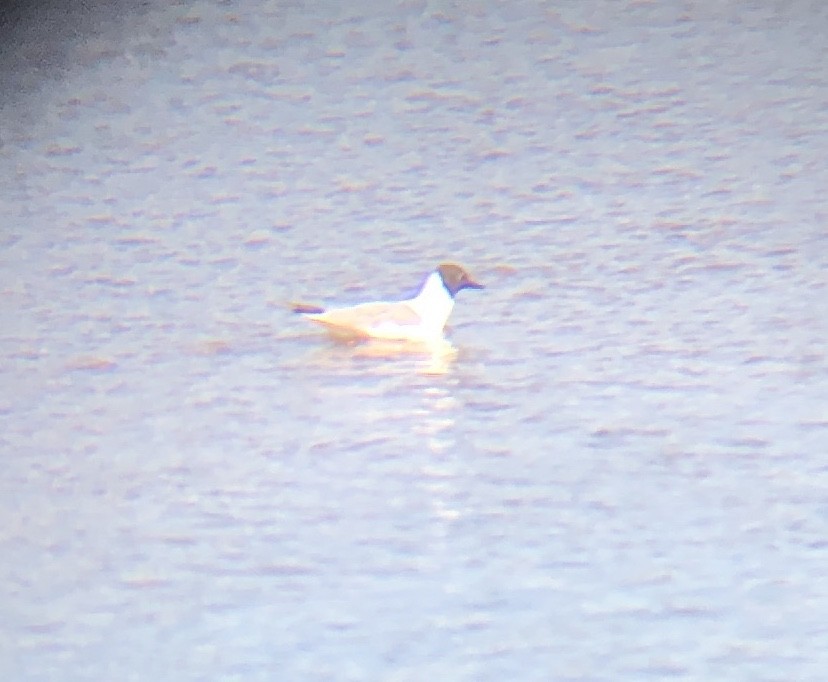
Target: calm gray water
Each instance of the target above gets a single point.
(623, 473)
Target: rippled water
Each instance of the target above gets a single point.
(622, 473)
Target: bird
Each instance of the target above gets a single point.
(420, 319)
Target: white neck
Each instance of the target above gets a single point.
(434, 303)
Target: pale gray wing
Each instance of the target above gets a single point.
(368, 316)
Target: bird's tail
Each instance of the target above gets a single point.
(306, 309)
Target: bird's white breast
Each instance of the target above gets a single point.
(433, 304)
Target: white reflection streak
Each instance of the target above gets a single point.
(438, 429)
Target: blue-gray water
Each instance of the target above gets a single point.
(622, 475)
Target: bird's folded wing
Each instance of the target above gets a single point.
(370, 316)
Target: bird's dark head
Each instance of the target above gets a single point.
(456, 278)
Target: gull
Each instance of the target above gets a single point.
(420, 319)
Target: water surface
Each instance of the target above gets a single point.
(620, 476)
